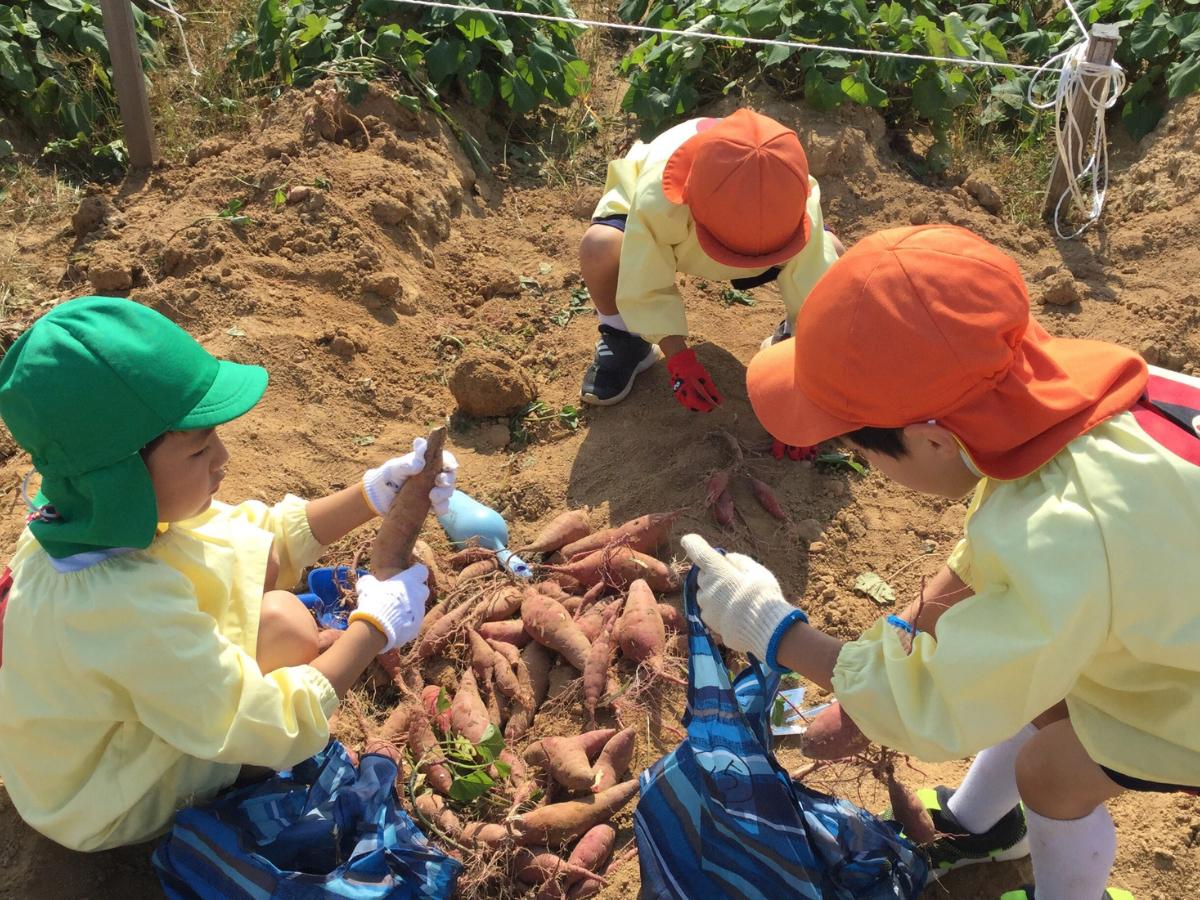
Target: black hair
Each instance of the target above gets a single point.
(888, 441)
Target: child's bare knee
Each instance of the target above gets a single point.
(600, 246)
(287, 632)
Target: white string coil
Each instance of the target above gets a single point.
(1099, 86)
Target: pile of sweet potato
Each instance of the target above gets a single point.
(462, 701)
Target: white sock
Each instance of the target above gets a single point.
(614, 321)
(1072, 858)
(990, 788)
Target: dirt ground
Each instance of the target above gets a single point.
(360, 298)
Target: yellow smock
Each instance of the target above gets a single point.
(129, 688)
(1085, 576)
(660, 240)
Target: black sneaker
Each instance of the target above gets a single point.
(957, 847)
(781, 333)
(620, 357)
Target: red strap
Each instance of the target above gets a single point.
(1161, 409)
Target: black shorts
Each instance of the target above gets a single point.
(741, 284)
(1153, 787)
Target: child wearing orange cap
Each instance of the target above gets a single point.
(1062, 639)
(148, 657)
(724, 199)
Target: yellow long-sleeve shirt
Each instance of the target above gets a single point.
(660, 240)
(1085, 579)
(129, 688)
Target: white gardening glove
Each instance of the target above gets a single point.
(740, 600)
(381, 485)
(395, 607)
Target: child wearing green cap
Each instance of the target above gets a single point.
(149, 657)
(1061, 641)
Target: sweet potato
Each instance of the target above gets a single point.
(484, 834)
(432, 615)
(595, 672)
(540, 868)
(497, 706)
(443, 631)
(511, 631)
(501, 604)
(560, 822)
(479, 569)
(395, 726)
(832, 735)
(641, 632)
(767, 500)
(591, 624)
(435, 810)
(723, 510)
(909, 811)
(392, 551)
(614, 760)
(482, 656)
(567, 763)
(590, 743)
(423, 745)
(562, 530)
(593, 595)
(468, 713)
(618, 567)
(716, 485)
(468, 555)
(551, 589)
(642, 534)
(533, 670)
(592, 852)
(551, 626)
(673, 618)
(431, 696)
(510, 652)
(508, 682)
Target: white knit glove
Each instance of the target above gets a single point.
(382, 484)
(739, 599)
(395, 607)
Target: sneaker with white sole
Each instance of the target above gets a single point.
(781, 333)
(619, 358)
(956, 847)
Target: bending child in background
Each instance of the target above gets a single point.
(723, 199)
(1067, 633)
(143, 664)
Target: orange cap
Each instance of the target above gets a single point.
(932, 323)
(745, 179)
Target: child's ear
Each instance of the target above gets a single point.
(939, 439)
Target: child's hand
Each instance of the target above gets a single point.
(395, 607)
(739, 599)
(382, 484)
(691, 382)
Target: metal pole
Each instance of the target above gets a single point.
(130, 82)
(1102, 46)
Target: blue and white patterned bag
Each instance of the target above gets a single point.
(718, 816)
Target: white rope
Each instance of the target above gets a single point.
(180, 19)
(693, 33)
(1100, 86)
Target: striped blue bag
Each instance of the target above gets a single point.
(719, 817)
(326, 829)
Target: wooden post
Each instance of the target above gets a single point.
(130, 82)
(1101, 48)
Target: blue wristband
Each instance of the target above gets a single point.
(796, 615)
(902, 625)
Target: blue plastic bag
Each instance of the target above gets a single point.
(325, 829)
(718, 816)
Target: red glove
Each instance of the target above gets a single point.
(779, 449)
(691, 382)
